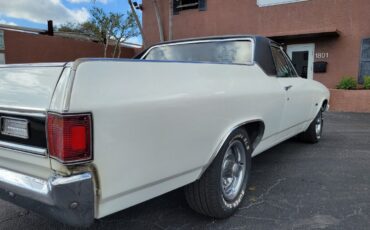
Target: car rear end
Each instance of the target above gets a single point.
(36, 135)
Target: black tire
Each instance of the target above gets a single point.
(311, 135)
(207, 195)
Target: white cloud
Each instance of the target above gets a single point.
(87, 1)
(2, 21)
(40, 11)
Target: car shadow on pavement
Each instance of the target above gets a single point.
(170, 211)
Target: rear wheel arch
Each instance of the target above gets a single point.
(255, 130)
(221, 189)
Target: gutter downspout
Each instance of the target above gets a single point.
(170, 20)
(159, 20)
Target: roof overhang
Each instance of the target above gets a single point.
(310, 34)
(20, 29)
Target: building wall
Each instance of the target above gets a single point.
(350, 17)
(21, 47)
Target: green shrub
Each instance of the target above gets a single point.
(347, 83)
(367, 82)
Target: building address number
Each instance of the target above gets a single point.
(321, 55)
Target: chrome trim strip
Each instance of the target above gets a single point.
(57, 64)
(206, 41)
(23, 148)
(67, 199)
(69, 86)
(23, 111)
(67, 67)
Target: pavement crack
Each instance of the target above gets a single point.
(253, 204)
(261, 198)
(275, 205)
(274, 185)
(259, 218)
(19, 215)
(356, 212)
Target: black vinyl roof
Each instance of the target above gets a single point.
(262, 51)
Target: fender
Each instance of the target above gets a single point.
(324, 106)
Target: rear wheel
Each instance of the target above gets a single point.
(220, 190)
(314, 132)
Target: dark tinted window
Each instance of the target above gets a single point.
(283, 67)
(365, 60)
(230, 52)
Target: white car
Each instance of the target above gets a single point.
(83, 140)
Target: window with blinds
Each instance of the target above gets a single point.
(180, 5)
(365, 60)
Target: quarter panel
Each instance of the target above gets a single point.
(156, 121)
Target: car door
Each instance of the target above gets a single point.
(297, 93)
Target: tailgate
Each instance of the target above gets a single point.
(25, 95)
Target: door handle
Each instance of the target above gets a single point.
(288, 87)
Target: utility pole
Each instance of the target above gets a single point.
(137, 21)
(159, 20)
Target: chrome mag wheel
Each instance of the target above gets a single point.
(233, 170)
(318, 126)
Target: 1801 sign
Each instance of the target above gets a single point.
(321, 55)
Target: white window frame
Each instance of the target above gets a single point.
(2, 40)
(262, 3)
(2, 58)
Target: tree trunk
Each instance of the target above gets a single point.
(106, 49)
(115, 49)
(119, 51)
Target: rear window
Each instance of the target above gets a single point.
(228, 52)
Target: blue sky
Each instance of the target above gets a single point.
(35, 13)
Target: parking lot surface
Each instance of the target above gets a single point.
(293, 186)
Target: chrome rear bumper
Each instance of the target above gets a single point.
(69, 200)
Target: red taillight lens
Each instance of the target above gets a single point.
(69, 137)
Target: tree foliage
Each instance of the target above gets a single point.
(110, 29)
(86, 28)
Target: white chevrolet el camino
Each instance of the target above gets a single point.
(83, 140)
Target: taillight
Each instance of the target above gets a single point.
(70, 137)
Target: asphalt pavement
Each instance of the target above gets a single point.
(293, 186)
